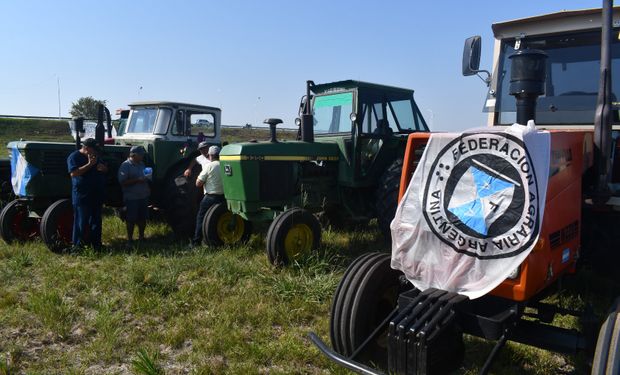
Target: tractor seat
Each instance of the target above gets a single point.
(383, 128)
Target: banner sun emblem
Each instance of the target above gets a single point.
(481, 196)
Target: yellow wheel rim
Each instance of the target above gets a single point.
(230, 228)
(298, 240)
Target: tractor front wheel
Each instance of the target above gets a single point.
(57, 225)
(16, 225)
(222, 227)
(386, 197)
(294, 233)
(607, 354)
(364, 298)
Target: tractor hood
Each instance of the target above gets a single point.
(262, 175)
(280, 151)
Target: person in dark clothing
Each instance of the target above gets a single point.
(87, 193)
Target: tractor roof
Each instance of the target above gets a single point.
(163, 103)
(558, 22)
(351, 84)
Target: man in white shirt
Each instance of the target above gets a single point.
(211, 182)
(202, 159)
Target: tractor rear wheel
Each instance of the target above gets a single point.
(607, 354)
(222, 227)
(57, 225)
(365, 297)
(386, 197)
(294, 233)
(180, 200)
(16, 225)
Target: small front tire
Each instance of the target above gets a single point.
(294, 233)
(222, 227)
(57, 225)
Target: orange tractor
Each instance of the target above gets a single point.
(381, 323)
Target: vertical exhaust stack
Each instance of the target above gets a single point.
(307, 119)
(602, 117)
(100, 128)
(527, 81)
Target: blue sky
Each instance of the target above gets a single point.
(251, 58)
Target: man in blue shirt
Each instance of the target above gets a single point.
(87, 193)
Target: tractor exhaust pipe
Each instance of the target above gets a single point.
(100, 129)
(527, 81)
(307, 119)
(602, 117)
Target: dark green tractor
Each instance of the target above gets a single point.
(345, 167)
(169, 131)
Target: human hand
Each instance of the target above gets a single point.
(187, 173)
(92, 160)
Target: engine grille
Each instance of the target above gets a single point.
(277, 180)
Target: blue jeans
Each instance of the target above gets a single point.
(87, 224)
(207, 201)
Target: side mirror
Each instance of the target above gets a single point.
(471, 55)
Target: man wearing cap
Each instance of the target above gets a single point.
(202, 159)
(211, 182)
(136, 191)
(87, 194)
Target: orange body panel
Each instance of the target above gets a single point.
(558, 247)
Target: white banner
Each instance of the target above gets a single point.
(473, 209)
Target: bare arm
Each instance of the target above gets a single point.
(188, 171)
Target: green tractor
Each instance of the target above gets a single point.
(344, 166)
(169, 131)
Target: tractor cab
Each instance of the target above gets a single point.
(169, 131)
(368, 121)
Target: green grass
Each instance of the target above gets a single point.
(162, 308)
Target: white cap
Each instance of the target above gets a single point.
(214, 150)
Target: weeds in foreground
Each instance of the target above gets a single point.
(146, 363)
(5, 367)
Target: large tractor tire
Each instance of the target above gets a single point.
(16, 225)
(57, 226)
(181, 199)
(607, 354)
(364, 298)
(222, 227)
(293, 233)
(386, 197)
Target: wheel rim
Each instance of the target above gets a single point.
(230, 228)
(22, 226)
(298, 240)
(65, 226)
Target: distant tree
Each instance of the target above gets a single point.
(86, 107)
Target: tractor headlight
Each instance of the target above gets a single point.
(298, 121)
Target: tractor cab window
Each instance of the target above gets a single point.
(163, 120)
(332, 113)
(202, 124)
(571, 85)
(179, 126)
(142, 120)
(386, 117)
